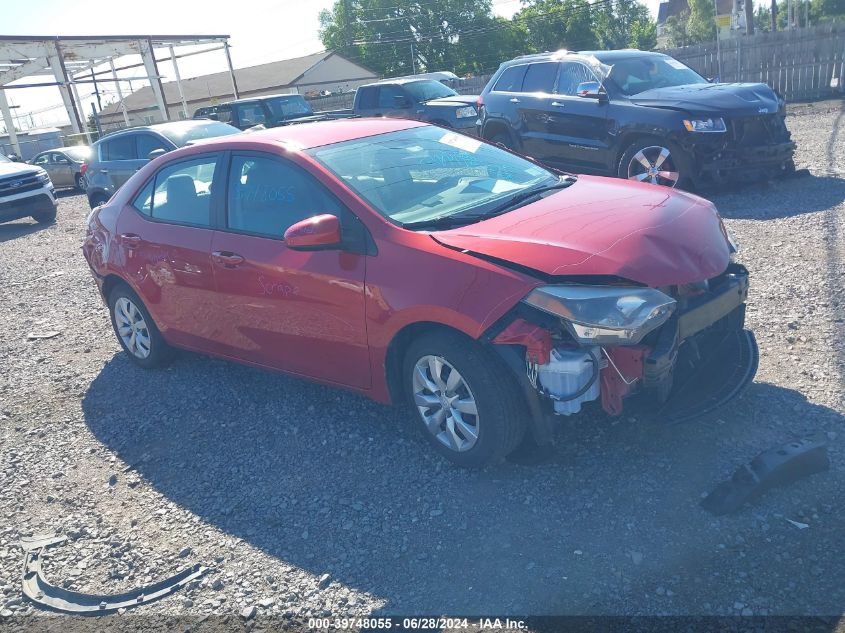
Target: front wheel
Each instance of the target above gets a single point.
(467, 404)
(656, 162)
(45, 217)
(80, 183)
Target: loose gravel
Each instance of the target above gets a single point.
(308, 501)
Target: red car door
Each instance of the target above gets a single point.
(298, 311)
(164, 242)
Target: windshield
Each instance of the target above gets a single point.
(638, 74)
(286, 107)
(83, 152)
(423, 173)
(428, 89)
(3, 159)
(184, 134)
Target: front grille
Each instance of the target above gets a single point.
(759, 130)
(19, 184)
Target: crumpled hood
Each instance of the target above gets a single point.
(726, 99)
(455, 102)
(602, 226)
(16, 169)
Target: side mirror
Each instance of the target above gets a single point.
(156, 153)
(319, 232)
(401, 102)
(590, 90)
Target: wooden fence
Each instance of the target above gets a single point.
(801, 64)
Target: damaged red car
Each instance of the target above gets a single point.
(419, 266)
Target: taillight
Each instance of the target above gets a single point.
(83, 168)
(479, 103)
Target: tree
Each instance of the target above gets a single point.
(675, 28)
(556, 24)
(458, 35)
(701, 24)
(624, 24)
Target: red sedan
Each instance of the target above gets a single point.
(416, 265)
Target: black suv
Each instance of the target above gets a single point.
(637, 115)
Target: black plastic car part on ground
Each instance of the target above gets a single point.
(632, 114)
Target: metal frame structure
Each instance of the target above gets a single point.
(73, 60)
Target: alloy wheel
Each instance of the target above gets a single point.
(446, 404)
(654, 164)
(132, 328)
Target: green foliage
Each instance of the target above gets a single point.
(396, 37)
(701, 25)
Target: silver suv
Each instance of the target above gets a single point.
(114, 158)
(26, 190)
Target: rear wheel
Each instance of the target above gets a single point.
(136, 331)
(97, 199)
(502, 138)
(467, 404)
(654, 161)
(80, 182)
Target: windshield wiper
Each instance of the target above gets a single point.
(451, 221)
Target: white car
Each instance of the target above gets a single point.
(26, 190)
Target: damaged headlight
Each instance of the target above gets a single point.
(604, 314)
(465, 112)
(705, 125)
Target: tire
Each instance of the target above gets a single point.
(485, 385)
(79, 179)
(45, 217)
(97, 199)
(658, 154)
(503, 138)
(155, 352)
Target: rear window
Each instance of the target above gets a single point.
(540, 77)
(120, 148)
(511, 79)
(367, 99)
(181, 134)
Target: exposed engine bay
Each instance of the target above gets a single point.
(680, 359)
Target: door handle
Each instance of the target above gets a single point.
(131, 240)
(227, 259)
(104, 171)
(558, 104)
(514, 100)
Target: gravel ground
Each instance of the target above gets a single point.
(310, 501)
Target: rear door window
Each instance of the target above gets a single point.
(511, 79)
(224, 114)
(367, 99)
(540, 77)
(119, 148)
(182, 192)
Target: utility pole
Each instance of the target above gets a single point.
(718, 39)
(347, 19)
(749, 17)
(96, 91)
(413, 60)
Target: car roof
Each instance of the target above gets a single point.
(602, 57)
(261, 98)
(401, 80)
(314, 134)
(159, 128)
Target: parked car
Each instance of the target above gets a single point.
(66, 165)
(269, 111)
(115, 157)
(418, 265)
(419, 99)
(26, 190)
(637, 115)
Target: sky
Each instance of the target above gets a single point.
(264, 31)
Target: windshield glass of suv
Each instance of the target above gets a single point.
(184, 134)
(638, 74)
(288, 107)
(426, 172)
(428, 89)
